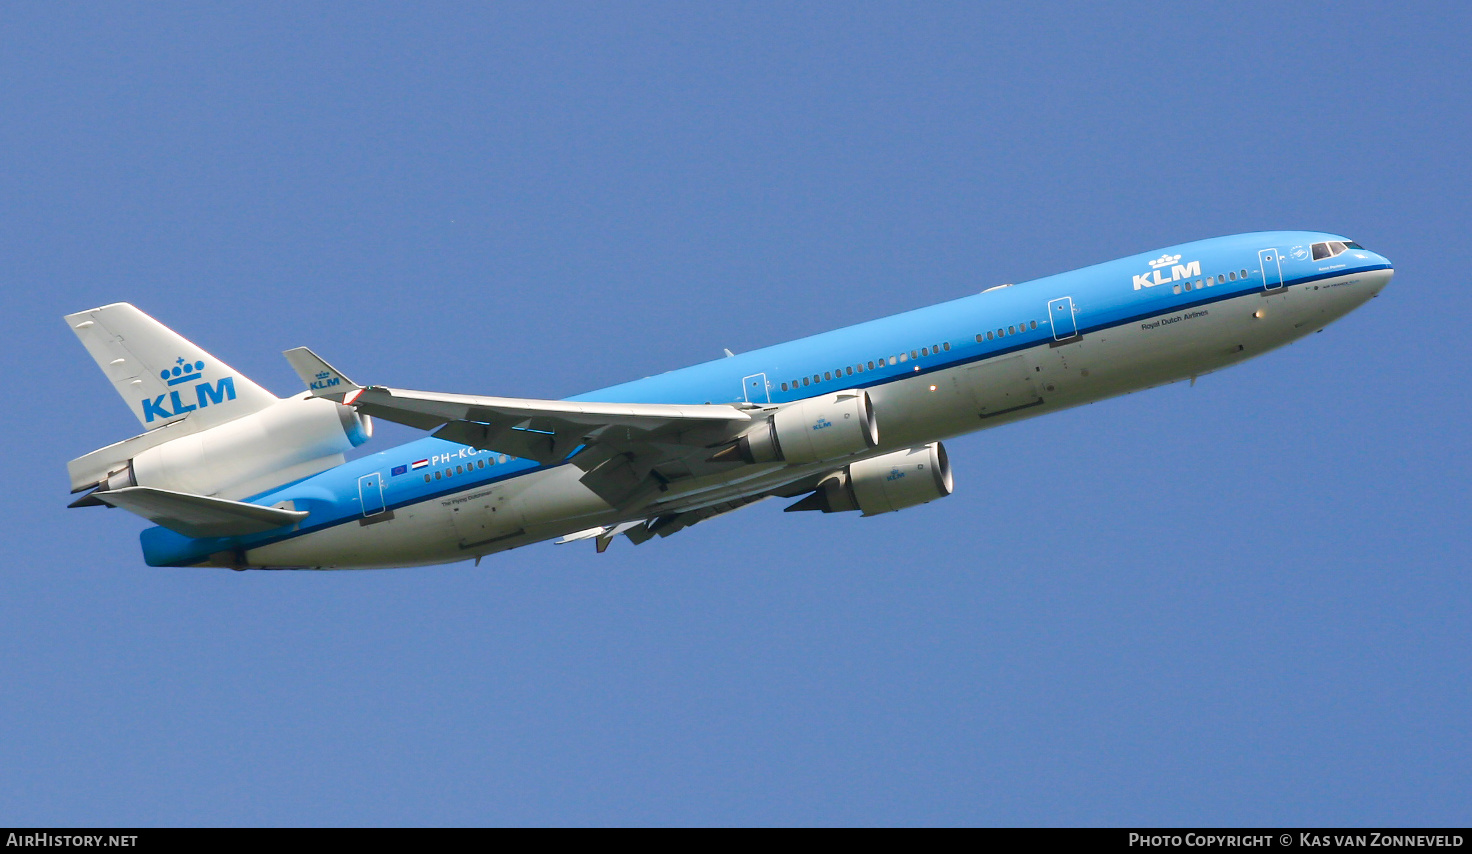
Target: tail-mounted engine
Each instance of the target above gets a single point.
(885, 483)
(288, 440)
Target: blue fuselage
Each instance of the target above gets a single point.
(1079, 336)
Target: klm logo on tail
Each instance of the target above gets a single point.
(184, 373)
(324, 380)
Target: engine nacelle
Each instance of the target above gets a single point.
(885, 483)
(286, 441)
(814, 430)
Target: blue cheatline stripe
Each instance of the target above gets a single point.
(1214, 297)
(208, 547)
(930, 367)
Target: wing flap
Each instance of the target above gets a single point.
(632, 449)
(466, 407)
(198, 515)
(542, 430)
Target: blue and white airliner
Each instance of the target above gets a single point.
(849, 420)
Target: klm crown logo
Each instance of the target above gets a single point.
(181, 373)
(1159, 275)
(324, 380)
(821, 423)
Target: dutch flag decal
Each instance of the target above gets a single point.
(419, 464)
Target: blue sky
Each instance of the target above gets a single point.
(1245, 602)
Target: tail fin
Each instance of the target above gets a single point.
(162, 375)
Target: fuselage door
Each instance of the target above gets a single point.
(1060, 312)
(370, 492)
(1271, 262)
(755, 387)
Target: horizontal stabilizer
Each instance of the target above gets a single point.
(321, 378)
(198, 515)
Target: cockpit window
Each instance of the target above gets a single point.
(1332, 248)
(1352, 245)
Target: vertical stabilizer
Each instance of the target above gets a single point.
(162, 375)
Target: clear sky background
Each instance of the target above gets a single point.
(1246, 602)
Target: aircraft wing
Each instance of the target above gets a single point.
(545, 430)
(624, 444)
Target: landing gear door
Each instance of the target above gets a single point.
(1271, 263)
(1001, 385)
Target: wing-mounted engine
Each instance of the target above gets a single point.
(885, 483)
(814, 430)
(288, 440)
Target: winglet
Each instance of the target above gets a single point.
(323, 379)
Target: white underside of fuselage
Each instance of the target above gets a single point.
(552, 502)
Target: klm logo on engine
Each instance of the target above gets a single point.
(324, 380)
(1159, 276)
(822, 423)
(895, 474)
(180, 401)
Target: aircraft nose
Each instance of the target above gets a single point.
(1380, 275)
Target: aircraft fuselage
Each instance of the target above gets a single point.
(984, 360)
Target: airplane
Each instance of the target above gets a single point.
(845, 421)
